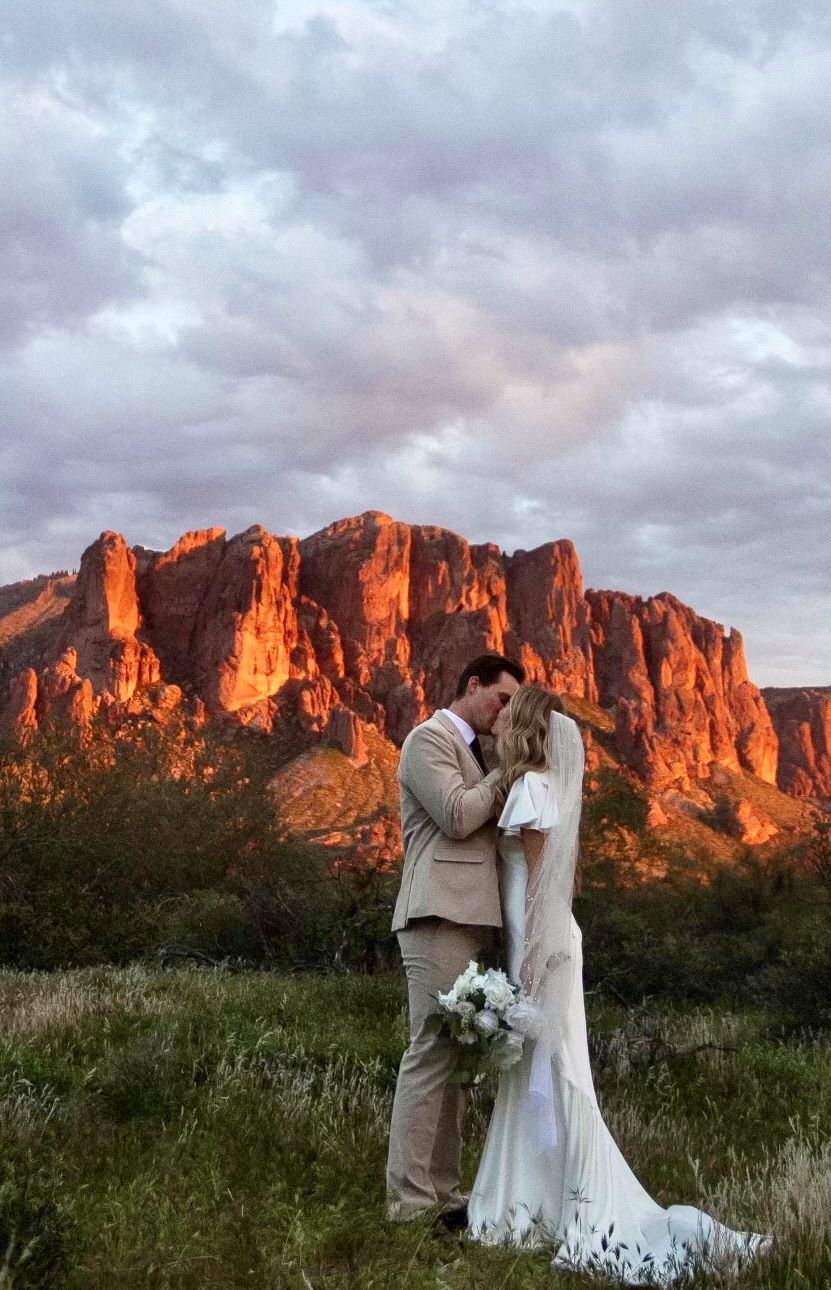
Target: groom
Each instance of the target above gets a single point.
(446, 911)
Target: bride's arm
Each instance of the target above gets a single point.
(533, 841)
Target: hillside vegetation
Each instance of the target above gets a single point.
(127, 845)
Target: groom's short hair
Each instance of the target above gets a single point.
(488, 668)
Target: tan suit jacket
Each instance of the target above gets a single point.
(447, 819)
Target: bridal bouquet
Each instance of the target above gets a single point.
(489, 1016)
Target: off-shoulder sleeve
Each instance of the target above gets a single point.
(530, 804)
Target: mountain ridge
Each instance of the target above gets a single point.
(367, 623)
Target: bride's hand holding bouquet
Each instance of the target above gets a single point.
(489, 1017)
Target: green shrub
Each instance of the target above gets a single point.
(796, 984)
(745, 938)
(113, 848)
(215, 923)
(617, 800)
(105, 841)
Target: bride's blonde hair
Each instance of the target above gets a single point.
(523, 745)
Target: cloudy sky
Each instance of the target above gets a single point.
(525, 269)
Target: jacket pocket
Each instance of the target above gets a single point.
(459, 852)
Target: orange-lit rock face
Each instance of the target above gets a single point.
(802, 719)
(748, 825)
(19, 715)
(246, 626)
(458, 609)
(64, 695)
(370, 622)
(344, 731)
(682, 699)
(319, 647)
(29, 615)
(172, 586)
(549, 619)
(102, 619)
(359, 570)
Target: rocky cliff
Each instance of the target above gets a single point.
(679, 689)
(802, 720)
(28, 615)
(368, 624)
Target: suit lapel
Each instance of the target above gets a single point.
(458, 736)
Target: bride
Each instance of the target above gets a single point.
(551, 1174)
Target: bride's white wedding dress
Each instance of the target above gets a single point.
(576, 1193)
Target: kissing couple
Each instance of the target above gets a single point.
(488, 849)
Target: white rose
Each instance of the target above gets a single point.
(507, 1050)
(486, 1022)
(449, 1000)
(465, 984)
(524, 1017)
(500, 997)
(496, 976)
(499, 993)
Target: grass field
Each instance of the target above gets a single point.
(209, 1130)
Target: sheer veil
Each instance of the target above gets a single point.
(549, 964)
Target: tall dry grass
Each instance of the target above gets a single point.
(201, 1129)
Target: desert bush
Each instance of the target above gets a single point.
(795, 985)
(744, 938)
(314, 910)
(737, 933)
(616, 800)
(613, 837)
(365, 898)
(814, 852)
(211, 922)
(112, 845)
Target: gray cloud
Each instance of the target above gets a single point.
(525, 272)
(62, 195)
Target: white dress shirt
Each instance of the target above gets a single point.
(467, 732)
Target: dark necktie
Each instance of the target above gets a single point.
(476, 749)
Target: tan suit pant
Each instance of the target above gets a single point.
(427, 1116)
